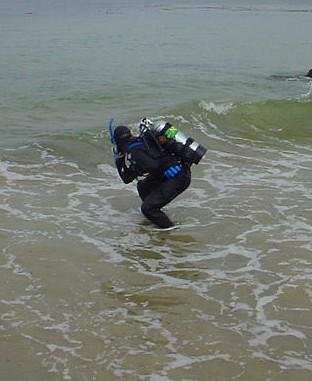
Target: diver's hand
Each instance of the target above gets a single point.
(117, 155)
(172, 172)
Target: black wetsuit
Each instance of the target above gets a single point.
(148, 159)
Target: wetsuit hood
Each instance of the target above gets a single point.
(122, 136)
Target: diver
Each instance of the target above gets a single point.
(160, 161)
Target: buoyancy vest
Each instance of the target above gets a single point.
(153, 150)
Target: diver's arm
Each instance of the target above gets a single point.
(127, 174)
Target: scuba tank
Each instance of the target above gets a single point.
(174, 140)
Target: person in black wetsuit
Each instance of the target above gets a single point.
(165, 175)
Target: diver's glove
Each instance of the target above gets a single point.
(172, 172)
(117, 155)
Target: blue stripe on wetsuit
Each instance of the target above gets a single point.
(135, 145)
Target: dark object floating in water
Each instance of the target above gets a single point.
(309, 73)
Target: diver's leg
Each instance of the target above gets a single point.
(147, 185)
(151, 209)
(161, 196)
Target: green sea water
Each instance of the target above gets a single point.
(88, 289)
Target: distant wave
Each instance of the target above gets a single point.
(239, 8)
(282, 119)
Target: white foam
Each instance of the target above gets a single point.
(14, 176)
(309, 93)
(219, 109)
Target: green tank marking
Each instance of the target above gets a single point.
(171, 132)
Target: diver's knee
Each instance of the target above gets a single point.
(145, 210)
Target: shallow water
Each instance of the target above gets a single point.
(89, 290)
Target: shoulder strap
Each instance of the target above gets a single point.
(136, 144)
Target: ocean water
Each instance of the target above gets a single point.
(88, 289)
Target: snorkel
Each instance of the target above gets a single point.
(117, 154)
